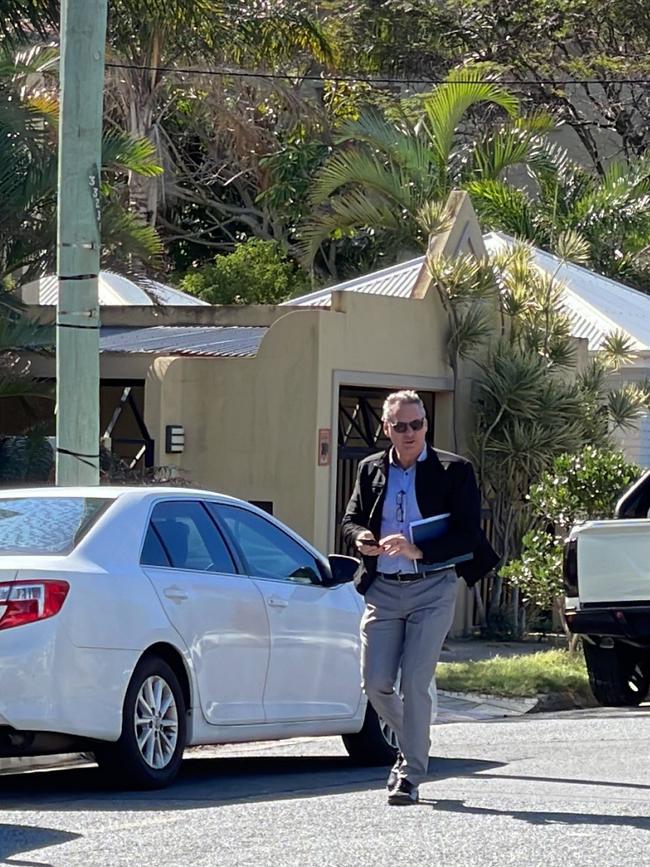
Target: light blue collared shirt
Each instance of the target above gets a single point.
(400, 508)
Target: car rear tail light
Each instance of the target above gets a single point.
(570, 568)
(27, 601)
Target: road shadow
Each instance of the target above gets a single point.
(15, 839)
(214, 781)
(572, 781)
(538, 817)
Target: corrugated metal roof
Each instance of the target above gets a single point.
(115, 290)
(229, 341)
(596, 305)
(396, 282)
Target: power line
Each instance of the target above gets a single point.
(348, 79)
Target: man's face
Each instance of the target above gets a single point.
(408, 443)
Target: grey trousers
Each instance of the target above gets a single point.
(405, 624)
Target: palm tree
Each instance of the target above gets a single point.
(18, 333)
(530, 411)
(386, 172)
(28, 178)
(610, 212)
(148, 38)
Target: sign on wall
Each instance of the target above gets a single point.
(324, 446)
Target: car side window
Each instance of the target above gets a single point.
(153, 553)
(267, 551)
(188, 538)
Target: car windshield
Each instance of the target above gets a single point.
(46, 525)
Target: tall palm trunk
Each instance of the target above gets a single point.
(144, 192)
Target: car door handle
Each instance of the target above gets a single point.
(175, 593)
(273, 602)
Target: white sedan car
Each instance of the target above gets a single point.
(137, 621)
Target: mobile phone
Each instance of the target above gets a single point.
(371, 543)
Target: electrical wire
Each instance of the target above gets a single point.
(347, 79)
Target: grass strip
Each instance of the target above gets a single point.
(524, 676)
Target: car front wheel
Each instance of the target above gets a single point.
(149, 752)
(375, 744)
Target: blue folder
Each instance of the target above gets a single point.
(430, 529)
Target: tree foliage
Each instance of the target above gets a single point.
(579, 487)
(532, 404)
(390, 167)
(29, 117)
(256, 273)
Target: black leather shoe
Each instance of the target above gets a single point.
(393, 777)
(403, 793)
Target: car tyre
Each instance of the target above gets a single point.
(375, 744)
(149, 753)
(619, 676)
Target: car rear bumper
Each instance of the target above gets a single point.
(632, 622)
(50, 685)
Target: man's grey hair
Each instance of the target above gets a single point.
(397, 398)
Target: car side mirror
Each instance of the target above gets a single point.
(343, 569)
(635, 502)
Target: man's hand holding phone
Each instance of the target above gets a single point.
(368, 545)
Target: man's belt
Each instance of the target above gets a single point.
(405, 577)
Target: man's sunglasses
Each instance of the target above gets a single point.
(402, 426)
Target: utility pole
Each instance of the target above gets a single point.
(83, 37)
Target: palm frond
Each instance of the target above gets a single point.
(591, 380)
(571, 246)
(446, 105)
(620, 195)
(24, 386)
(123, 152)
(395, 140)
(22, 18)
(617, 349)
(462, 278)
(364, 170)
(19, 333)
(503, 208)
(346, 216)
(126, 237)
(626, 405)
(506, 147)
(471, 329)
(434, 218)
(513, 379)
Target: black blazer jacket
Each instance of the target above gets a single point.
(444, 482)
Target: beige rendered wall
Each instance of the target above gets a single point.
(248, 421)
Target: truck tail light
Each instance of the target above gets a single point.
(570, 567)
(27, 601)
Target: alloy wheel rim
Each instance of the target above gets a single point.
(388, 734)
(156, 722)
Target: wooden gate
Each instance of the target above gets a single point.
(360, 433)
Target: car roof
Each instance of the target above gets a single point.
(112, 492)
(146, 492)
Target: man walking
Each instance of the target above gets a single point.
(409, 591)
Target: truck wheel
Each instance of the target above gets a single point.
(149, 752)
(375, 744)
(619, 676)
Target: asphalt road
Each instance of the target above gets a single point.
(565, 789)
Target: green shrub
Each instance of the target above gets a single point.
(258, 272)
(580, 487)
